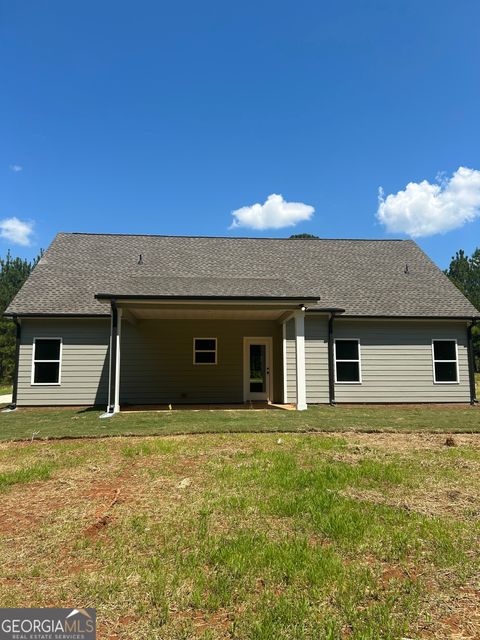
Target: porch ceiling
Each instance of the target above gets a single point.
(152, 312)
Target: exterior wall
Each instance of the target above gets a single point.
(157, 360)
(396, 361)
(84, 367)
(316, 359)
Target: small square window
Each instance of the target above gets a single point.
(204, 351)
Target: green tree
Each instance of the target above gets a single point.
(464, 272)
(302, 235)
(13, 273)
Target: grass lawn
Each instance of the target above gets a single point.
(57, 423)
(247, 536)
(4, 389)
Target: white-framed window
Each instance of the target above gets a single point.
(204, 351)
(46, 360)
(445, 361)
(348, 367)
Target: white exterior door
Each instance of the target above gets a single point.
(257, 369)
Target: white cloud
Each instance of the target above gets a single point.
(16, 231)
(274, 213)
(16, 168)
(424, 209)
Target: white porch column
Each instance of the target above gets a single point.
(300, 360)
(116, 404)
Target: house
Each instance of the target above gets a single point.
(116, 320)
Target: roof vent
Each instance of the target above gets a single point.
(140, 259)
(404, 271)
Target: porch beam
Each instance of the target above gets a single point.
(129, 316)
(300, 360)
(285, 317)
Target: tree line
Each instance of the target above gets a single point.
(464, 272)
(13, 273)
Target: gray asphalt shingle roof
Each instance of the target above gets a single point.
(364, 277)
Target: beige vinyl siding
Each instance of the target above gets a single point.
(316, 360)
(157, 360)
(291, 363)
(84, 366)
(396, 360)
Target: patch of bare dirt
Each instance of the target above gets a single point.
(202, 621)
(452, 616)
(432, 503)
(398, 442)
(103, 520)
(19, 513)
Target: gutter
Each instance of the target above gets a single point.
(331, 310)
(113, 296)
(55, 315)
(430, 318)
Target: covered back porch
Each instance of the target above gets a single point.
(170, 354)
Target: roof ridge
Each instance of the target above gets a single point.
(166, 235)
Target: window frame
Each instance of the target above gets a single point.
(359, 360)
(34, 361)
(435, 381)
(195, 351)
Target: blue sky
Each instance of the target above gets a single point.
(155, 117)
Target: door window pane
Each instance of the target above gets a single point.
(257, 368)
